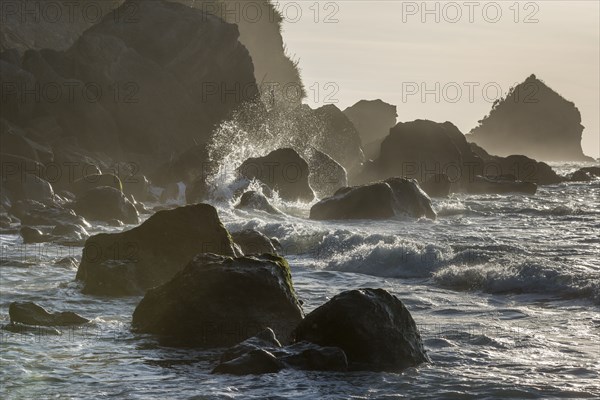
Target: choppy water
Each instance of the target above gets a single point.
(505, 289)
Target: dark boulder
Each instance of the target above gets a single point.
(106, 203)
(253, 242)
(585, 174)
(371, 326)
(282, 170)
(33, 235)
(219, 301)
(72, 233)
(34, 213)
(422, 148)
(255, 201)
(410, 199)
(31, 314)
(149, 255)
(326, 175)
(376, 201)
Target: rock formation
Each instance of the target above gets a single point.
(372, 326)
(130, 262)
(373, 119)
(219, 301)
(533, 120)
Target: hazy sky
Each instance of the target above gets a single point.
(449, 69)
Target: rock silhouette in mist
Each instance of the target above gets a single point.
(425, 149)
(219, 301)
(535, 121)
(373, 119)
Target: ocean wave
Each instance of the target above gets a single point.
(527, 277)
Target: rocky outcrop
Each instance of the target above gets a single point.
(373, 328)
(219, 301)
(427, 150)
(533, 120)
(338, 137)
(395, 196)
(373, 119)
(264, 354)
(253, 242)
(282, 170)
(421, 149)
(326, 175)
(254, 201)
(130, 262)
(105, 204)
(126, 87)
(29, 313)
(374, 201)
(585, 174)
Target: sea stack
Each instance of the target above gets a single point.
(535, 121)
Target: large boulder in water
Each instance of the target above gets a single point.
(105, 204)
(373, 327)
(219, 301)
(29, 313)
(326, 175)
(533, 120)
(374, 201)
(282, 170)
(253, 242)
(373, 119)
(381, 200)
(149, 255)
(420, 149)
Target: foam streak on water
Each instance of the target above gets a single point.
(505, 290)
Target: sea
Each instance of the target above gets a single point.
(505, 290)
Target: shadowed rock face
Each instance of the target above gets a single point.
(259, 24)
(219, 301)
(162, 79)
(130, 262)
(381, 200)
(371, 326)
(373, 120)
(533, 120)
(282, 170)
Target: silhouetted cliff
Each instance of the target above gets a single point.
(34, 24)
(532, 120)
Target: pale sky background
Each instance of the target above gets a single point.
(379, 49)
